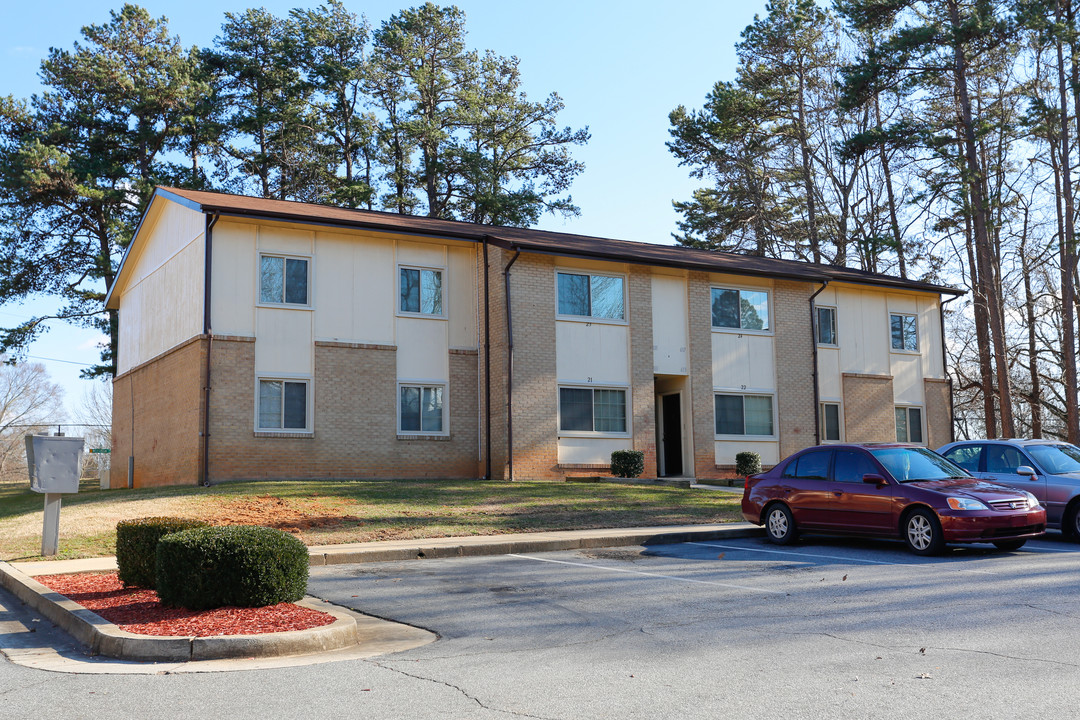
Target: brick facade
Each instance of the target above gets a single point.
(796, 414)
(868, 408)
(938, 412)
(642, 395)
(702, 413)
(167, 417)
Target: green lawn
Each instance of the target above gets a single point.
(326, 512)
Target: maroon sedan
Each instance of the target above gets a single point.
(888, 490)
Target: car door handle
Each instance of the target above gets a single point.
(838, 493)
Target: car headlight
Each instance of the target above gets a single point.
(1033, 502)
(960, 503)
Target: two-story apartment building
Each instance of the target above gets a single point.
(272, 339)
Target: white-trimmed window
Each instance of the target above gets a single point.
(284, 280)
(740, 309)
(904, 331)
(826, 325)
(743, 414)
(282, 404)
(421, 409)
(420, 291)
(909, 424)
(594, 296)
(592, 410)
(830, 422)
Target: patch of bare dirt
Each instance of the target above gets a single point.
(292, 516)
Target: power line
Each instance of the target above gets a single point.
(69, 362)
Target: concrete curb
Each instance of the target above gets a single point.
(104, 638)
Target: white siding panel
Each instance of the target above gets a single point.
(422, 349)
(415, 253)
(234, 272)
(286, 240)
(590, 451)
(863, 331)
(726, 450)
(591, 350)
(907, 379)
(930, 337)
(463, 294)
(743, 361)
(829, 376)
(760, 362)
(669, 325)
(173, 228)
(353, 286)
(284, 342)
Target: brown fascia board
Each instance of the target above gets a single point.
(536, 241)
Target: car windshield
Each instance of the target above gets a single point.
(1056, 459)
(914, 464)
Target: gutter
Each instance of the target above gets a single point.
(945, 367)
(813, 339)
(208, 238)
(487, 367)
(509, 372)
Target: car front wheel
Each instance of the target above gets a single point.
(1070, 523)
(922, 533)
(780, 525)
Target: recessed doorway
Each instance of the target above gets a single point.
(671, 459)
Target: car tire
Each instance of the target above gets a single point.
(922, 532)
(780, 525)
(1070, 522)
(1009, 545)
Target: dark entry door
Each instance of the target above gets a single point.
(672, 409)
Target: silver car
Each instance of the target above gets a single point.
(1049, 469)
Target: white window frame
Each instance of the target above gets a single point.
(744, 393)
(917, 349)
(835, 325)
(907, 408)
(743, 331)
(592, 318)
(839, 420)
(259, 302)
(443, 287)
(625, 389)
(422, 384)
(309, 397)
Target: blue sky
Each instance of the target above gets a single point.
(619, 67)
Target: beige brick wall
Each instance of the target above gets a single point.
(794, 365)
(497, 260)
(702, 413)
(354, 422)
(868, 408)
(938, 412)
(642, 393)
(166, 392)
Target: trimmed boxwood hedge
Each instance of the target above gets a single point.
(627, 463)
(238, 565)
(136, 547)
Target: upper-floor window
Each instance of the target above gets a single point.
(598, 296)
(740, 309)
(283, 280)
(904, 330)
(826, 326)
(421, 291)
(283, 404)
(743, 414)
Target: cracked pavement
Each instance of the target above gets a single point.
(827, 628)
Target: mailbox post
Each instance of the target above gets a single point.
(53, 463)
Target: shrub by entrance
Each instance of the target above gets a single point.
(239, 565)
(136, 547)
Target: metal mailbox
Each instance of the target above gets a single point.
(54, 463)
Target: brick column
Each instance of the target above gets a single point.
(703, 432)
(794, 365)
(643, 395)
(868, 408)
(938, 412)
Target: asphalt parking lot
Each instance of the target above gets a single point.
(827, 628)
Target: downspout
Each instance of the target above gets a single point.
(945, 367)
(487, 368)
(813, 339)
(509, 372)
(208, 237)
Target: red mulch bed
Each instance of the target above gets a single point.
(140, 611)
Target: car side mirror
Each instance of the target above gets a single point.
(1026, 471)
(874, 479)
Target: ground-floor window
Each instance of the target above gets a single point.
(599, 410)
(743, 414)
(830, 422)
(283, 404)
(420, 408)
(909, 426)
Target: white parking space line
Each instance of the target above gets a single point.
(828, 557)
(647, 574)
